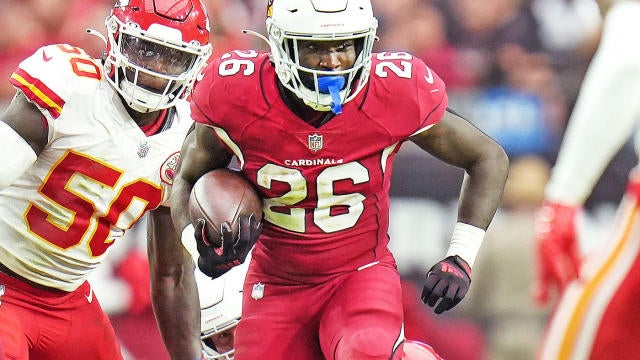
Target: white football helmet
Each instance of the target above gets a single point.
(166, 41)
(290, 21)
(221, 307)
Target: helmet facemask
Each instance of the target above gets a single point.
(287, 28)
(152, 69)
(209, 349)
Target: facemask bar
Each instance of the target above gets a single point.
(209, 352)
(286, 58)
(124, 73)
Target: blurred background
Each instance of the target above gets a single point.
(512, 67)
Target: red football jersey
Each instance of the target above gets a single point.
(325, 189)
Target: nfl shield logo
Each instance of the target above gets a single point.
(315, 142)
(143, 150)
(258, 291)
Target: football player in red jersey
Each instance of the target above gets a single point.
(88, 147)
(597, 316)
(221, 311)
(315, 125)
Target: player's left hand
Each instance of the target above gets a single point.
(447, 281)
(215, 261)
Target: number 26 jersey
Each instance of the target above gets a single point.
(325, 189)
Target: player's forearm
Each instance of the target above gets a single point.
(177, 312)
(180, 203)
(174, 294)
(605, 114)
(480, 197)
(174, 297)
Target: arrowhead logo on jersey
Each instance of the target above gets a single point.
(315, 142)
(168, 168)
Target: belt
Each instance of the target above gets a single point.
(11, 273)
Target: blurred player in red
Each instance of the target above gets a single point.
(315, 125)
(597, 317)
(88, 147)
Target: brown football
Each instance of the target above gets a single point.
(222, 195)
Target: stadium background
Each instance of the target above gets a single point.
(512, 67)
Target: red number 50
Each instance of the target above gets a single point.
(73, 202)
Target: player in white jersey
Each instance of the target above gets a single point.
(87, 147)
(221, 310)
(597, 316)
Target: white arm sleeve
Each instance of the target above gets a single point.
(16, 156)
(607, 109)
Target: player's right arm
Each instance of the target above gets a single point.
(46, 80)
(202, 152)
(23, 135)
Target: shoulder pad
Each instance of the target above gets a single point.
(404, 83)
(229, 82)
(54, 73)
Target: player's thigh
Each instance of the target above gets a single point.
(363, 319)
(617, 336)
(280, 325)
(13, 340)
(597, 317)
(83, 332)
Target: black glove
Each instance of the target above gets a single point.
(447, 281)
(215, 261)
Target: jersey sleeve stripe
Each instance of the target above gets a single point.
(37, 92)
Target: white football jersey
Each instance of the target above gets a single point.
(98, 174)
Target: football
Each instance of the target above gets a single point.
(222, 195)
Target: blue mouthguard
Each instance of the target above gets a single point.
(332, 85)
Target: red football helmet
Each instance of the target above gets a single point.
(156, 50)
(416, 350)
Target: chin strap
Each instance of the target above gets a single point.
(332, 85)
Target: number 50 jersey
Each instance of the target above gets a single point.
(97, 175)
(325, 190)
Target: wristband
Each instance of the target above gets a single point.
(189, 242)
(465, 242)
